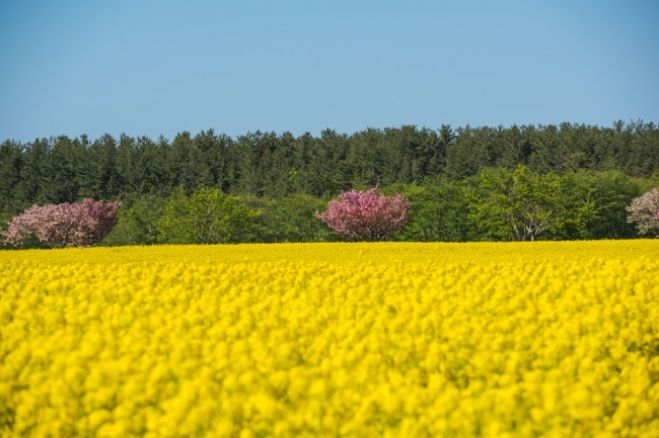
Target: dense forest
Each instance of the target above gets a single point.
(299, 173)
(64, 169)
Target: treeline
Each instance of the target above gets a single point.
(267, 165)
(494, 204)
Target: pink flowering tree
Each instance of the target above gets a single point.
(366, 215)
(644, 212)
(80, 224)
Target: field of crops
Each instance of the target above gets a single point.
(390, 339)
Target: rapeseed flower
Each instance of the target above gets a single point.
(387, 339)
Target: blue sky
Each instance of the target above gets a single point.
(160, 67)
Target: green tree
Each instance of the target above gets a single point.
(34, 178)
(468, 153)
(10, 174)
(291, 219)
(321, 166)
(439, 212)
(516, 205)
(206, 216)
(212, 151)
(592, 205)
(64, 170)
(137, 222)
(100, 179)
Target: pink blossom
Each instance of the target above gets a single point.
(80, 224)
(366, 215)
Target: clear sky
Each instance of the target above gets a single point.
(160, 67)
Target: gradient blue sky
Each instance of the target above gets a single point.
(160, 67)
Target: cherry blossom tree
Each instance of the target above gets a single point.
(644, 212)
(68, 224)
(366, 215)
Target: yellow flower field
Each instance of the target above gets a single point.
(390, 339)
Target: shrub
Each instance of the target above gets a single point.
(78, 224)
(644, 212)
(366, 215)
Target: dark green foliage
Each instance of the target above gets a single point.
(137, 222)
(439, 212)
(4, 219)
(266, 164)
(11, 163)
(67, 170)
(593, 205)
(290, 219)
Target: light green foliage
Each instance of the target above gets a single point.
(517, 205)
(206, 216)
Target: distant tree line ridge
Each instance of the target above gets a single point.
(63, 169)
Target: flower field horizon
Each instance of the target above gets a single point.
(350, 339)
